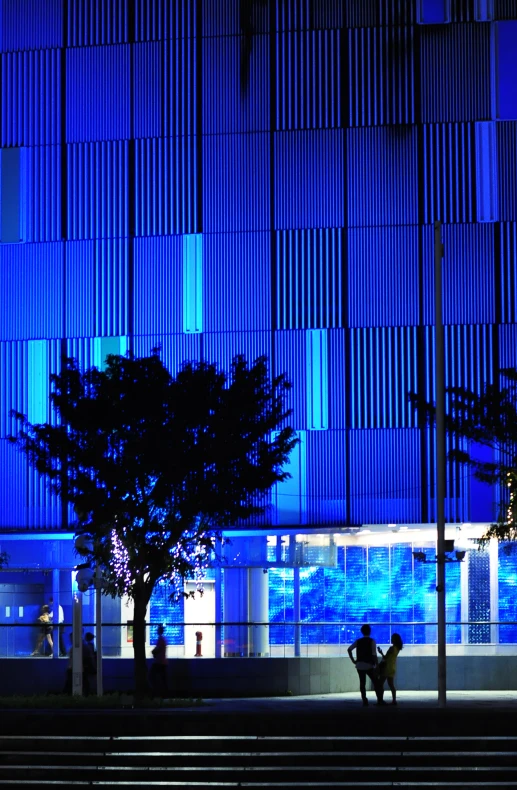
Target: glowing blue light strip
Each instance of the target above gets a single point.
(317, 379)
(193, 283)
(38, 381)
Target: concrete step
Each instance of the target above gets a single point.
(276, 762)
(167, 744)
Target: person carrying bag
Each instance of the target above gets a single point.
(366, 663)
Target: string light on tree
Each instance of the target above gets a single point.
(512, 479)
(120, 560)
(192, 555)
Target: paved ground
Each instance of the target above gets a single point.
(418, 713)
(338, 703)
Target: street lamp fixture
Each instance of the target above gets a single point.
(459, 556)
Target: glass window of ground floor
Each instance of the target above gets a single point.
(286, 595)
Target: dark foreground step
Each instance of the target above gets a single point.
(254, 744)
(249, 761)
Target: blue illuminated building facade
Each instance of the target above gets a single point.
(147, 198)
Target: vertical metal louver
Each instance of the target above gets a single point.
(326, 501)
(291, 358)
(175, 350)
(158, 20)
(148, 90)
(13, 487)
(111, 287)
(14, 391)
(80, 289)
(41, 193)
(383, 370)
(226, 108)
(165, 186)
(381, 76)
(463, 53)
(383, 176)
(508, 242)
(487, 183)
(469, 274)
(31, 98)
(31, 288)
(179, 99)
(385, 476)
(449, 163)
(31, 24)
(310, 279)
(508, 346)
(98, 93)
(148, 198)
(236, 183)
(309, 73)
(221, 348)
(309, 179)
(158, 284)
(290, 497)
(507, 169)
(94, 22)
(223, 18)
(98, 190)
(339, 390)
(237, 282)
(383, 277)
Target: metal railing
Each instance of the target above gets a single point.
(248, 639)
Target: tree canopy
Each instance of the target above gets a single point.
(156, 465)
(486, 419)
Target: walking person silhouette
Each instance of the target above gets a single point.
(366, 663)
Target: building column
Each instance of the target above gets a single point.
(258, 607)
(297, 613)
(493, 549)
(236, 612)
(218, 610)
(57, 636)
(464, 587)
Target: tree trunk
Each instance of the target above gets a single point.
(141, 600)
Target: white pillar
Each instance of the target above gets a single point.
(493, 549)
(297, 613)
(258, 607)
(218, 609)
(236, 612)
(464, 587)
(57, 635)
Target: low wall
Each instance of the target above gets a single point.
(243, 677)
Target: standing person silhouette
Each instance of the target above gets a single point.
(388, 666)
(366, 663)
(158, 674)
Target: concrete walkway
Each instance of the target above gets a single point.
(469, 714)
(338, 703)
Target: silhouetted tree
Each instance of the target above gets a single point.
(488, 420)
(155, 465)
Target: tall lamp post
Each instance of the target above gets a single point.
(440, 464)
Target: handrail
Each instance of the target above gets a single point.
(222, 623)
